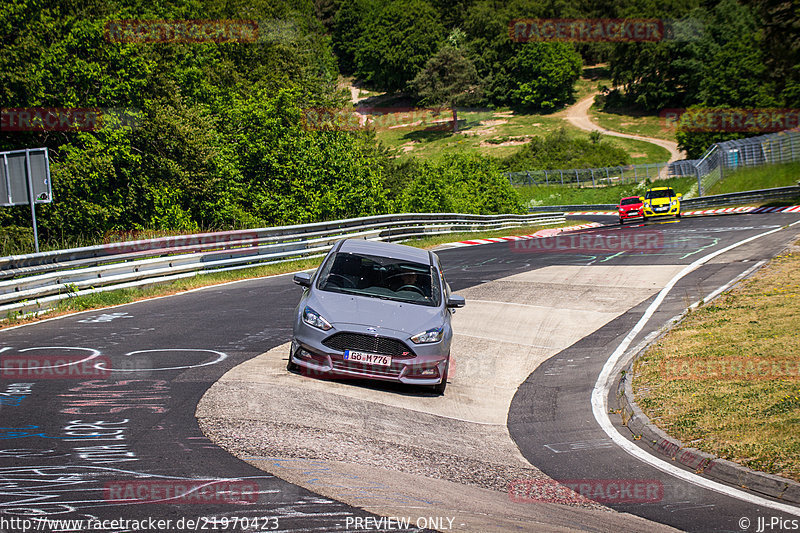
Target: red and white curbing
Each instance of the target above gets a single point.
(721, 211)
(539, 234)
(746, 209)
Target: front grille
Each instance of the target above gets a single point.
(375, 370)
(368, 343)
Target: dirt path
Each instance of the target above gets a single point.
(578, 116)
(354, 91)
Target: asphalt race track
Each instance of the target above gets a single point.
(102, 423)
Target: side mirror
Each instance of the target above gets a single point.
(641, 199)
(455, 301)
(303, 279)
(679, 195)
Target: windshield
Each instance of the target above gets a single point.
(663, 193)
(629, 201)
(380, 277)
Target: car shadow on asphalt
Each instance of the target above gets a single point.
(402, 389)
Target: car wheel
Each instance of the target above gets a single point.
(439, 387)
(291, 366)
(678, 215)
(621, 221)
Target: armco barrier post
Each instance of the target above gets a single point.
(699, 184)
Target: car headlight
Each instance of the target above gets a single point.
(312, 318)
(432, 335)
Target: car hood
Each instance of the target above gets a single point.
(398, 317)
(628, 207)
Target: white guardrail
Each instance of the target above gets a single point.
(34, 282)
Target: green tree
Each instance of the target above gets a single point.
(448, 79)
(459, 183)
(282, 173)
(537, 76)
(397, 42)
(781, 46)
(349, 24)
(727, 63)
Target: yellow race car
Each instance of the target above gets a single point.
(662, 201)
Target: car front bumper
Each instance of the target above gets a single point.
(657, 212)
(425, 365)
(625, 215)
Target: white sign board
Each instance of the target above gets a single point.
(14, 169)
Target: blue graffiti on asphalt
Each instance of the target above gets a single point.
(11, 401)
(27, 431)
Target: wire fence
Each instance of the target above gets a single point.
(589, 177)
(718, 161)
(728, 156)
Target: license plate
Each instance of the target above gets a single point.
(367, 358)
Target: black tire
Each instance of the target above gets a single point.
(678, 216)
(621, 222)
(440, 387)
(291, 366)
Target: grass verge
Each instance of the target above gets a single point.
(727, 379)
(750, 179)
(122, 296)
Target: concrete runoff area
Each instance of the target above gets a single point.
(402, 451)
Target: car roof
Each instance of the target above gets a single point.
(385, 249)
(660, 189)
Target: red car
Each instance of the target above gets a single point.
(630, 207)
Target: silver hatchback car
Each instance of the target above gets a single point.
(378, 311)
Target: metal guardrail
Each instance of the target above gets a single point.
(34, 281)
(761, 195)
(589, 177)
(729, 156)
